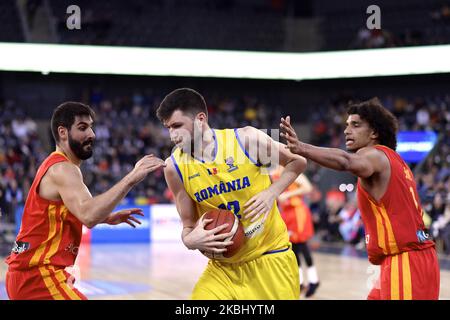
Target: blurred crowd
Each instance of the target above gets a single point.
(21, 152)
(434, 30)
(126, 129)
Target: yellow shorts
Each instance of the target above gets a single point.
(272, 276)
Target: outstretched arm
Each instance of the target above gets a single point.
(364, 163)
(194, 236)
(68, 181)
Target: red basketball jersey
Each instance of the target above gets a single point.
(394, 224)
(296, 215)
(298, 221)
(49, 234)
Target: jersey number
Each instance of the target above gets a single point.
(414, 198)
(232, 206)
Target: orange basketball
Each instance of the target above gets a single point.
(219, 217)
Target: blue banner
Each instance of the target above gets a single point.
(123, 233)
(414, 146)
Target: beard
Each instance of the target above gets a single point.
(188, 141)
(79, 148)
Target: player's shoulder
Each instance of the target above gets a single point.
(374, 155)
(369, 151)
(63, 169)
(173, 174)
(247, 132)
(175, 156)
(170, 165)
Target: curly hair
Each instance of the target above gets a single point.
(381, 120)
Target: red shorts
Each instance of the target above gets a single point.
(410, 275)
(41, 283)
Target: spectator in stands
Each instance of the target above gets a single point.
(437, 206)
(443, 14)
(375, 38)
(335, 201)
(13, 196)
(441, 227)
(3, 202)
(351, 227)
(31, 7)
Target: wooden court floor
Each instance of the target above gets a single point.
(168, 270)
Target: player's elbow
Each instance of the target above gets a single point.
(296, 163)
(186, 241)
(90, 225)
(186, 244)
(300, 164)
(89, 222)
(87, 218)
(94, 219)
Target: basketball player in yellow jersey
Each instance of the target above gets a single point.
(212, 169)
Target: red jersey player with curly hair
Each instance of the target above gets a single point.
(396, 237)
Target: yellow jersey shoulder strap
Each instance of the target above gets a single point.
(241, 144)
(176, 158)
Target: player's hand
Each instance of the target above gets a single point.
(208, 240)
(124, 216)
(143, 167)
(288, 132)
(259, 205)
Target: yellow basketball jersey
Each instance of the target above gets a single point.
(228, 182)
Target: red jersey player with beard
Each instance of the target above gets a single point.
(57, 206)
